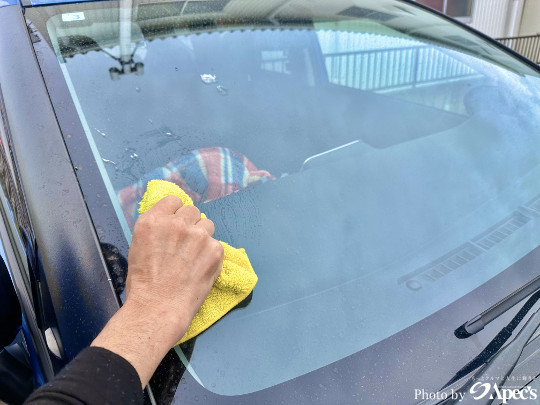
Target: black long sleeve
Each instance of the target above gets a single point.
(95, 376)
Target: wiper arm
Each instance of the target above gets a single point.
(504, 362)
(494, 363)
(498, 341)
(478, 323)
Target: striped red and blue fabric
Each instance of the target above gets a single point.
(204, 174)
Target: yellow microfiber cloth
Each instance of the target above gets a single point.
(237, 278)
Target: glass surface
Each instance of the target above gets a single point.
(367, 155)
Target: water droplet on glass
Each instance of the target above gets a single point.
(222, 90)
(138, 89)
(100, 132)
(150, 121)
(108, 161)
(208, 78)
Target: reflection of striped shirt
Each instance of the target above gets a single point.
(204, 174)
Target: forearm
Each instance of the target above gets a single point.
(173, 263)
(120, 361)
(142, 336)
(96, 376)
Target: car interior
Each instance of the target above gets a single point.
(282, 118)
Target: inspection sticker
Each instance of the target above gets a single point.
(73, 16)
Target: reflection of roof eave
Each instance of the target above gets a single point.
(233, 17)
(170, 27)
(106, 32)
(163, 31)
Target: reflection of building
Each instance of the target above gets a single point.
(515, 22)
(496, 18)
(530, 18)
(459, 9)
(384, 54)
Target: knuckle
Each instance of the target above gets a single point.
(194, 210)
(173, 199)
(207, 223)
(179, 225)
(218, 249)
(186, 208)
(195, 233)
(145, 221)
(200, 233)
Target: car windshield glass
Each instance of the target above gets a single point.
(376, 161)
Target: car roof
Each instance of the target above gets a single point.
(31, 3)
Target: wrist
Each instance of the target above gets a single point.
(158, 318)
(142, 335)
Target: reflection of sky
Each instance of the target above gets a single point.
(4, 3)
(3, 253)
(328, 243)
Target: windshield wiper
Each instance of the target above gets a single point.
(502, 337)
(492, 362)
(478, 323)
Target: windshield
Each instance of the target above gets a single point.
(376, 162)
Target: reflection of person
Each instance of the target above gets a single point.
(173, 263)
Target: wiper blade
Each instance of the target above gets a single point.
(478, 323)
(498, 341)
(500, 364)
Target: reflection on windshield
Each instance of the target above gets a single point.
(363, 170)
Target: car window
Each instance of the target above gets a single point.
(367, 155)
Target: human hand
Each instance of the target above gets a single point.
(173, 262)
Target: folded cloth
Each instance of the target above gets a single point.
(205, 174)
(237, 278)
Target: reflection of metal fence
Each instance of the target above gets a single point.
(382, 69)
(528, 46)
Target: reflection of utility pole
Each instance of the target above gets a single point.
(127, 65)
(513, 18)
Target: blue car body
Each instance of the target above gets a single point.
(65, 246)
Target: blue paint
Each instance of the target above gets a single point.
(52, 2)
(34, 362)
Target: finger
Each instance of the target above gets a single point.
(220, 265)
(207, 225)
(167, 205)
(190, 214)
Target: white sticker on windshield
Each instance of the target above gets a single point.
(73, 16)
